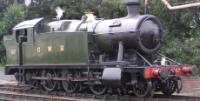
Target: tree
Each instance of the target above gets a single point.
(181, 32)
(74, 9)
(176, 22)
(111, 9)
(39, 8)
(14, 14)
(3, 5)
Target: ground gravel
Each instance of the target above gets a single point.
(6, 79)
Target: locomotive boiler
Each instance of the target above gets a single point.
(96, 54)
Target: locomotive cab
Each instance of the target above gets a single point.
(23, 34)
(26, 30)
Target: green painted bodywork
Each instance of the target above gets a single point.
(35, 50)
(11, 50)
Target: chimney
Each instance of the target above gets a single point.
(132, 7)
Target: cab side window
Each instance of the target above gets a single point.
(21, 35)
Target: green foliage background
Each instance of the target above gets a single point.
(182, 29)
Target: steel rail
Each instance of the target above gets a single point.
(13, 96)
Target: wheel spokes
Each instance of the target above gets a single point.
(49, 84)
(141, 88)
(69, 85)
(169, 87)
(98, 88)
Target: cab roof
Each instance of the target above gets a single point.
(27, 24)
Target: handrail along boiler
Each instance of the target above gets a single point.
(98, 54)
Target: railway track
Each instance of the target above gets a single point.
(22, 93)
(15, 96)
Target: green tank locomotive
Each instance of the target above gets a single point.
(94, 53)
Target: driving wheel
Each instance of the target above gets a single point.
(49, 84)
(69, 85)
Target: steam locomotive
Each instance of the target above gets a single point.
(97, 54)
